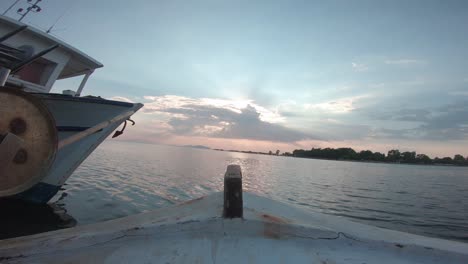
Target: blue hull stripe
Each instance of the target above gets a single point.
(40, 193)
(71, 128)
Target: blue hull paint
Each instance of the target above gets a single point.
(40, 193)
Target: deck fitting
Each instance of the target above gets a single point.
(233, 205)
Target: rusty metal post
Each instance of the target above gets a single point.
(233, 205)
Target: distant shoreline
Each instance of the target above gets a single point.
(348, 160)
(382, 162)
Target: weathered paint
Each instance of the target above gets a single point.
(74, 112)
(195, 232)
(26, 117)
(80, 112)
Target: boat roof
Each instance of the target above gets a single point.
(79, 62)
(196, 232)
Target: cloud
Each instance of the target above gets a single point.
(243, 124)
(359, 67)
(404, 62)
(444, 123)
(219, 118)
(338, 106)
(404, 114)
(161, 103)
(248, 125)
(334, 130)
(459, 93)
(362, 118)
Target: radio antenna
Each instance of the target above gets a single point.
(60, 17)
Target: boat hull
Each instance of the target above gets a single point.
(74, 115)
(196, 232)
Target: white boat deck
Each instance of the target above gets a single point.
(195, 232)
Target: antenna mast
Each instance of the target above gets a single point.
(60, 17)
(53, 25)
(33, 7)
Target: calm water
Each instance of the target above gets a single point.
(121, 178)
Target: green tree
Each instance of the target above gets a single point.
(423, 158)
(346, 154)
(378, 156)
(365, 155)
(446, 160)
(299, 153)
(408, 157)
(459, 159)
(393, 155)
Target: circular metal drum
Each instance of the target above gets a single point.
(28, 141)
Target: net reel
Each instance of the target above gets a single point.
(28, 141)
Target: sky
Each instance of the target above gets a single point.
(267, 75)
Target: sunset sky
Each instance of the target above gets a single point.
(267, 75)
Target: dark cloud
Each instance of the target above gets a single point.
(245, 120)
(449, 122)
(405, 114)
(344, 131)
(248, 125)
(198, 119)
(195, 116)
(416, 115)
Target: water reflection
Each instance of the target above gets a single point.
(125, 178)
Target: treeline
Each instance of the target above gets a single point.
(394, 156)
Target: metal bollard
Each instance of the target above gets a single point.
(233, 205)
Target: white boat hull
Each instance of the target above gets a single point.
(196, 232)
(73, 115)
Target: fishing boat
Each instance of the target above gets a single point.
(45, 136)
(230, 227)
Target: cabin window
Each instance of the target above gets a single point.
(37, 72)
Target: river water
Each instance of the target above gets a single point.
(122, 178)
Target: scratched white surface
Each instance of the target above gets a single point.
(194, 232)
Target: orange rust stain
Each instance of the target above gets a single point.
(274, 219)
(272, 226)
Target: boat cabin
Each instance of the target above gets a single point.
(40, 75)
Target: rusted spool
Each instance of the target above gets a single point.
(28, 141)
